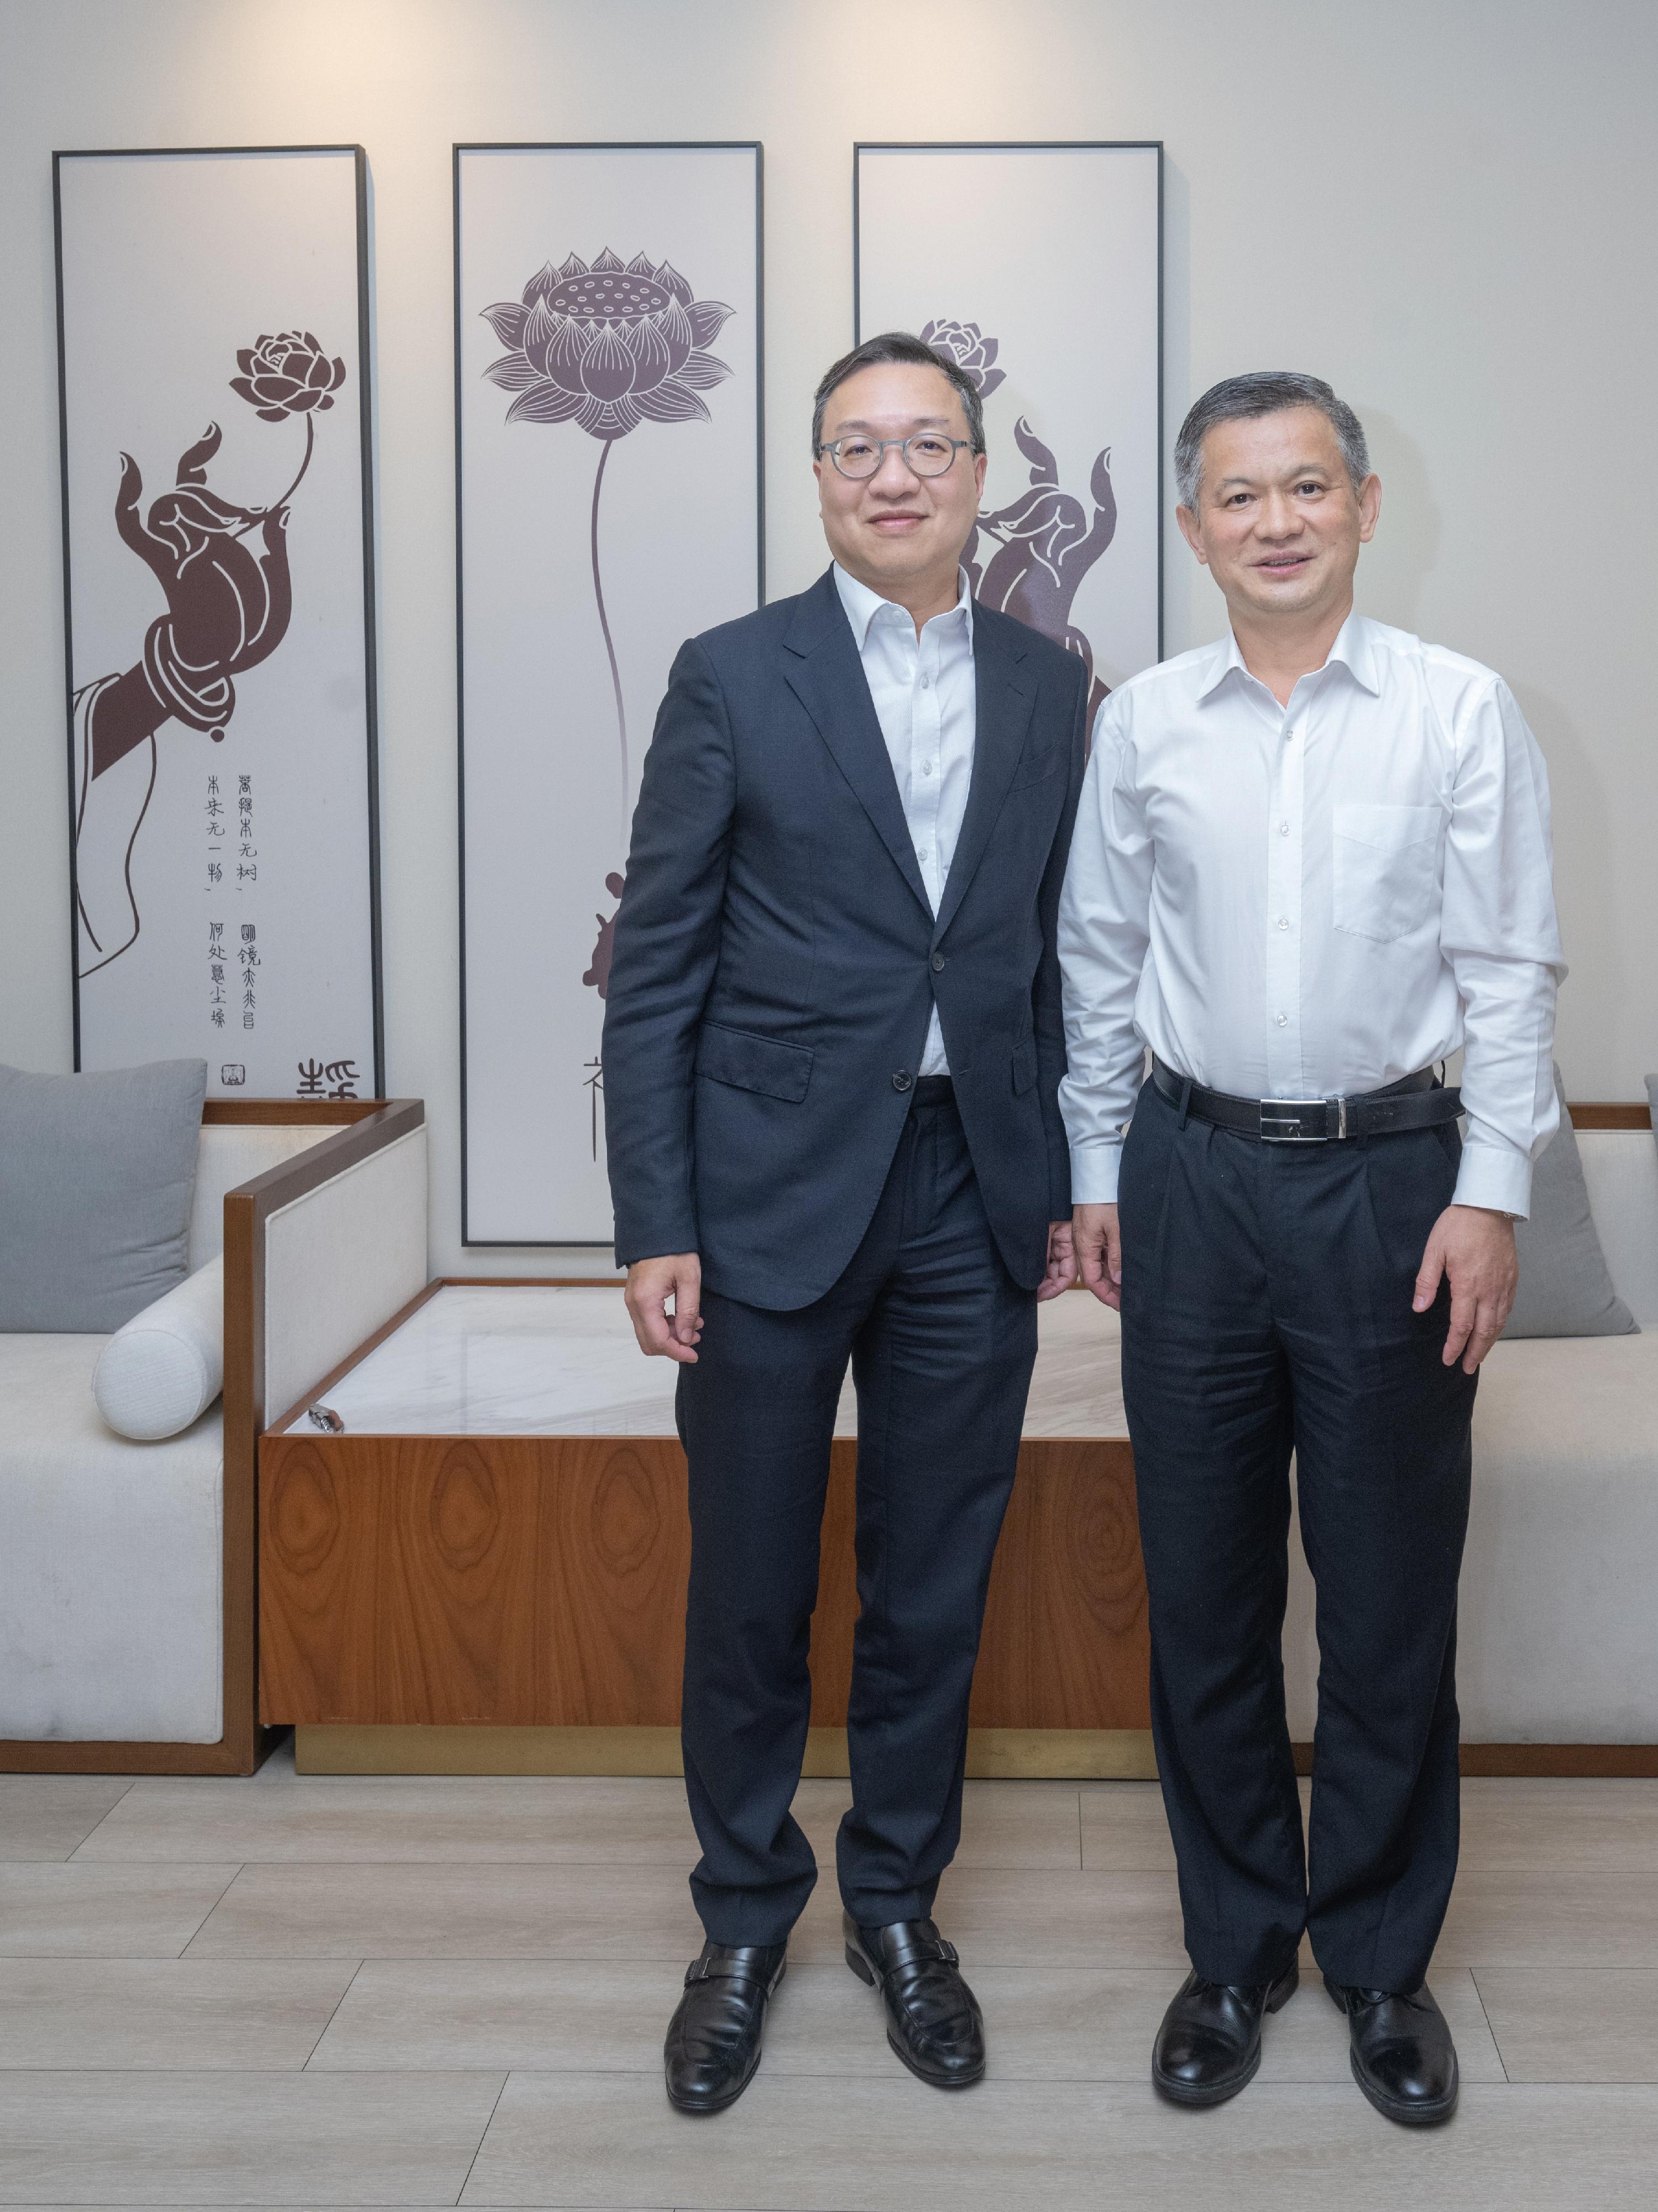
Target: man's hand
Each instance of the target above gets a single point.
(1474, 1249)
(1061, 1262)
(1098, 1244)
(651, 1284)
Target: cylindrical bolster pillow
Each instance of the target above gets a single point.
(167, 1365)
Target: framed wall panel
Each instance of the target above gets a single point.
(1039, 267)
(608, 403)
(213, 364)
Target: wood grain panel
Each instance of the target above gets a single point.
(615, 1559)
(290, 1113)
(1610, 1114)
(458, 1577)
(540, 1582)
(1066, 1643)
(320, 1628)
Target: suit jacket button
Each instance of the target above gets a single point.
(938, 963)
(903, 1079)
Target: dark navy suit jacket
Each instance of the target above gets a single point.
(777, 962)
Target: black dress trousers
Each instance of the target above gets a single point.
(1267, 1311)
(942, 1342)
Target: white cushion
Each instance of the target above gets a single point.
(231, 1152)
(1620, 1167)
(165, 1366)
(1557, 1634)
(110, 1562)
(339, 1261)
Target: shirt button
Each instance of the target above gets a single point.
(1288, 734)
(903, 1080)
(1283, 1023)
(1282, 829)
(938, 963)
(1283, 921)
(927, 683)
(920, 852)
(926, 768)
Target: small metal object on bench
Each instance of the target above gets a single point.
(324, 1418)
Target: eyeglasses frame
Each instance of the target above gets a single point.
(831, 447)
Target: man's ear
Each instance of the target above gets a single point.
(1189, 531)
(1369, 508)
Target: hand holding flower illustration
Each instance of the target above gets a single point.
(227, 610)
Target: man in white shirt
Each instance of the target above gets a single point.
(1310, 863)
(833, 1047)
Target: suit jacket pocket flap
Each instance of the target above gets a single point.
(748, 1062)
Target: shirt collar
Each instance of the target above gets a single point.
(1354, 648)
(862, 606)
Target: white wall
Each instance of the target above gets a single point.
(1444, 206)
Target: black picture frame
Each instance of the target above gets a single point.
(366, 441)
(863, 146)
(461, 146)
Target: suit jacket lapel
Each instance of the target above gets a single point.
(1004, 694)
(826, 675)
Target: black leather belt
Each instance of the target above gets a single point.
(1419, 1101)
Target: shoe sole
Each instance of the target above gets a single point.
(1216, 2093)
(1405, 2114)
(861, 1967)
(705, 2109)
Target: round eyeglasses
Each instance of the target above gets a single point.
(928, 454)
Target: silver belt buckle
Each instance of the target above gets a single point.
(1281, 1119)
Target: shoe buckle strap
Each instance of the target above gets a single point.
(728, 1970)
(925, 1949)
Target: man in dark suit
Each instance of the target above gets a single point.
(833, 1045)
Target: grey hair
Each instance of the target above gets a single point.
(1264, 391)
(899, 346)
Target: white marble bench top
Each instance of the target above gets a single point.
(532, 1361)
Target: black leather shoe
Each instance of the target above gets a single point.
(1402, 2054)
(1209, 2045)
(714, 2038)
(933, 2021)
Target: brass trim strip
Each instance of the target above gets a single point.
(1090, 1754)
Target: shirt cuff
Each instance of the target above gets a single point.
(1496, 1175)
(1094, 1171)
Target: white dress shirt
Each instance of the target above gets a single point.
(928, 707)
(1307, 901)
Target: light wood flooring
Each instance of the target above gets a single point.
(326, 1992)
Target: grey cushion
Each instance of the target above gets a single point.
(1564, 1286)
(96, 1175)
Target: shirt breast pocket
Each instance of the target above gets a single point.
(1387, 870)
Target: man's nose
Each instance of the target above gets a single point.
(1279, 516)
(895, 479)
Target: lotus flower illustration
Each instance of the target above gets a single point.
(607, 345)
(967, 346)
(288, 374)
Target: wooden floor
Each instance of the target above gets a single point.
(326, 1992)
